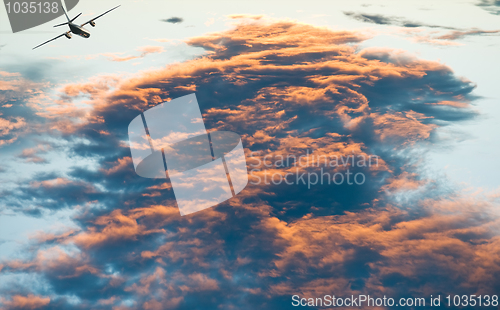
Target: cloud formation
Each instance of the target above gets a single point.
(412, 28)
(31, 154)
(145, 50)
(380, 19)
(26, 302)
(173, 20)
(492, 6)
(286, 88)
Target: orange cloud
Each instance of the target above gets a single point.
(245, 16)
(403, 126)
(120, 164)
(26, 302)
(31, 154)
(116, 227)
(10, 129)
(407, 248)
(145, 50)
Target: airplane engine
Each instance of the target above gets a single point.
(92, 24)
(68, 35)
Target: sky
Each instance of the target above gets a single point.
(413, 83)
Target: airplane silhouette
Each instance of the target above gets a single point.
(74, 28)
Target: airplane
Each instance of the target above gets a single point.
(74, 28)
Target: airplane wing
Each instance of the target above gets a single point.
(98, 16)
(51, 39)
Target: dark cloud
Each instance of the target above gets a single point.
(390, 20)
(173, 20)
(492, 6)
(375, 19)
(439, 39)
(286, 88)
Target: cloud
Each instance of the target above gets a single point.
(16, 119)
(10, 129)
(25, 302)
(446, 38)
(288, 89)
(455, 35)
(145, 50)
(245, 16)
(389, 20)
(210, 21)
(492, 6)
(31, 154)
(411, 28)
(173, 20)
(381, 249)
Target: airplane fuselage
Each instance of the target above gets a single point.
(79, 30)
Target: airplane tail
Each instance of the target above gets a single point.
(69, 21)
